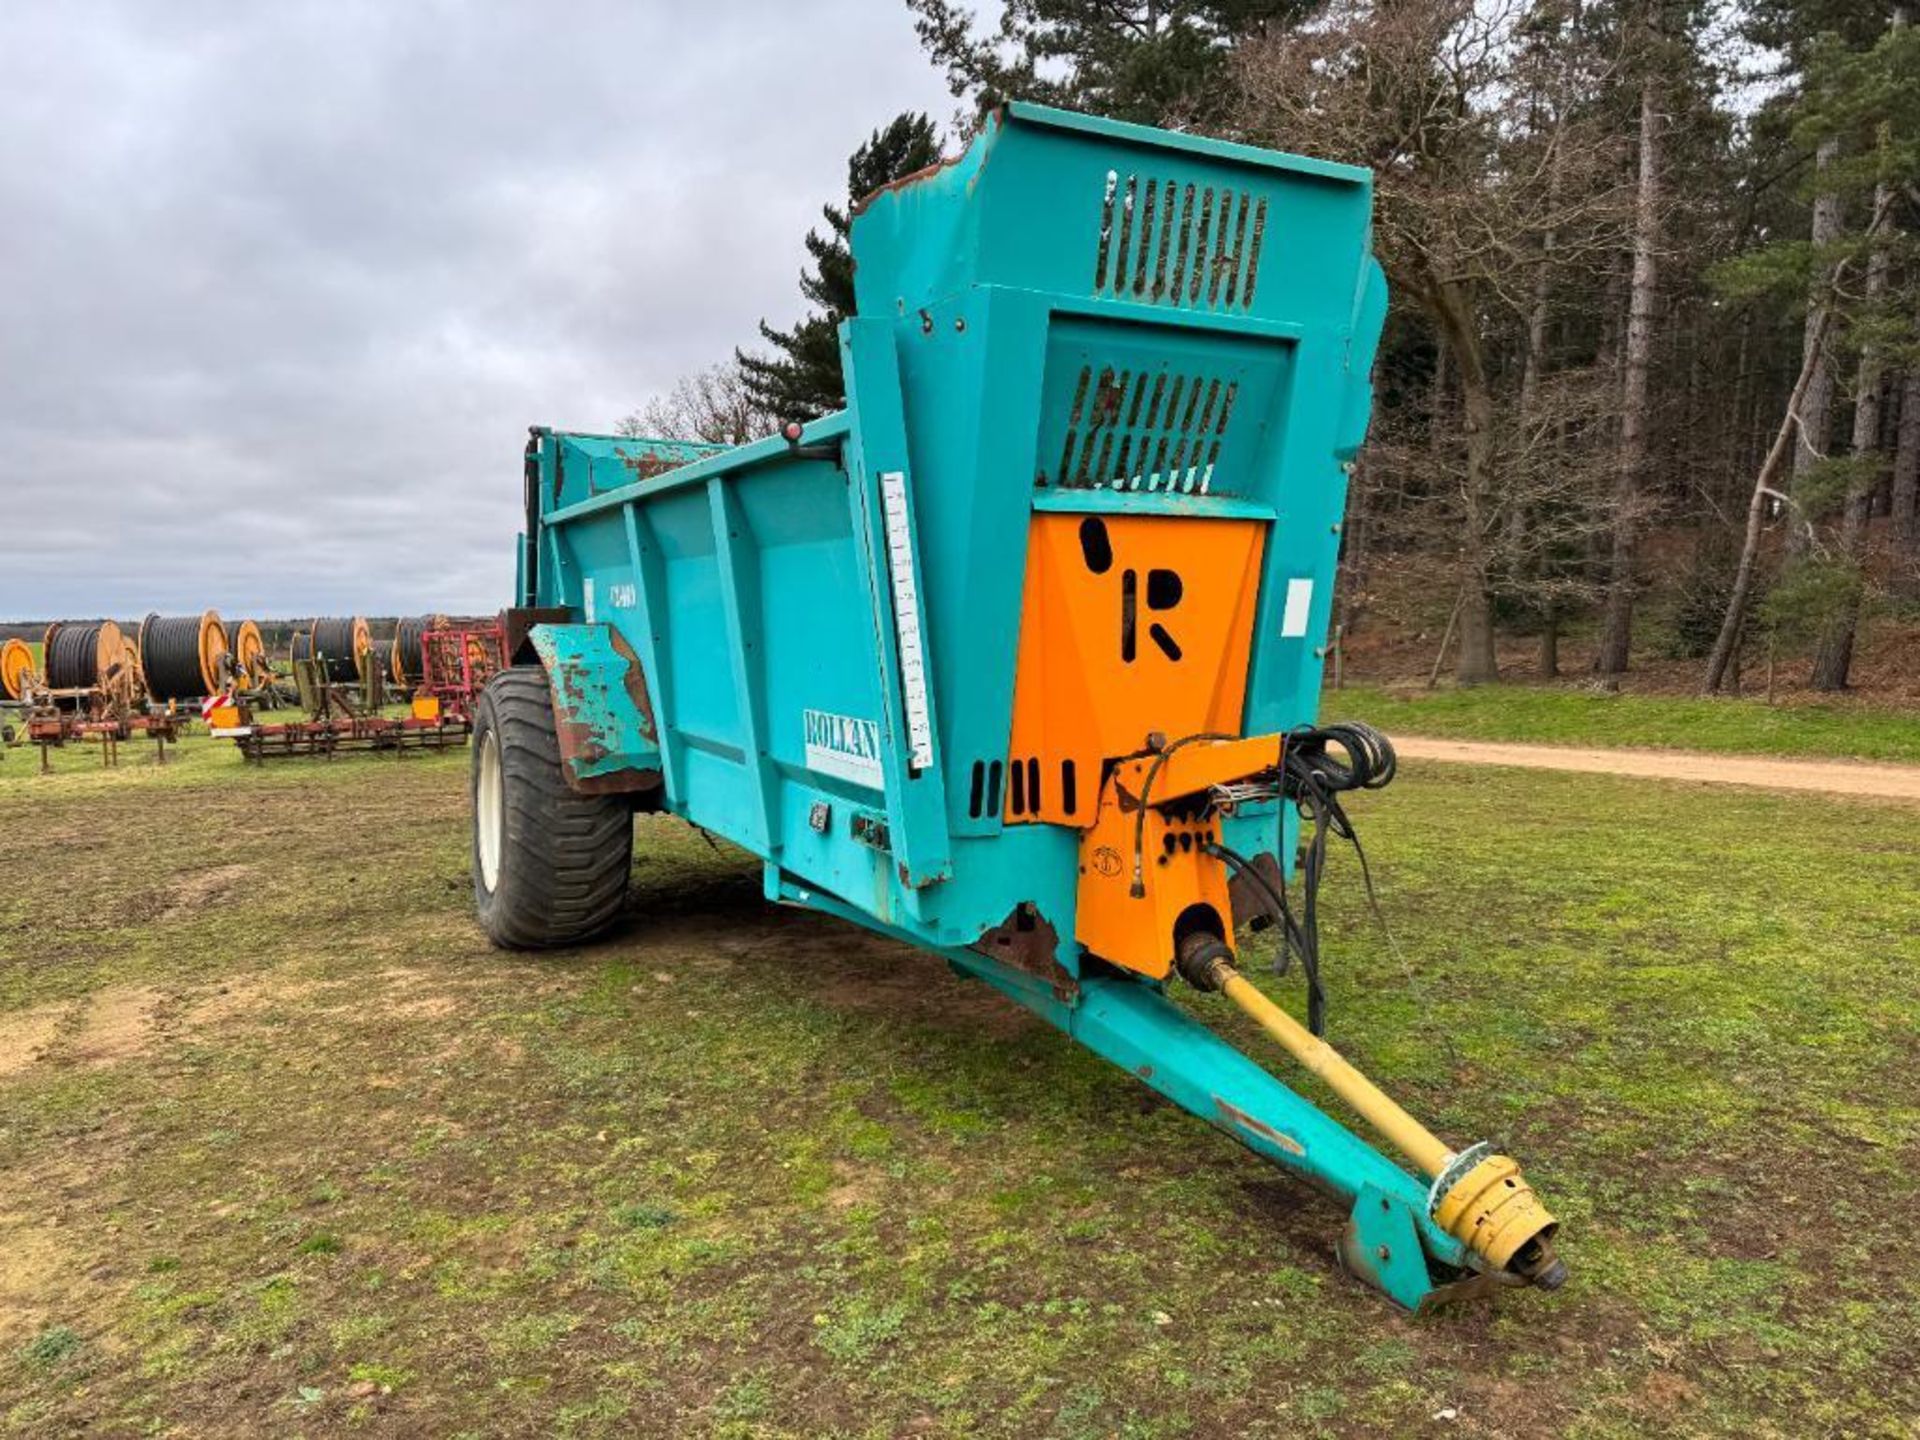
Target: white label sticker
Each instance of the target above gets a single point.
(1293, 620)
(845, 746)
(586, 597)
(906, 618)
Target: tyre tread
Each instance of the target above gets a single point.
(565, 857)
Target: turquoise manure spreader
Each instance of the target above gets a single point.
(1017, 658)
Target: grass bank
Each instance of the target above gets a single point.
(284, 1148)
(1553, 716)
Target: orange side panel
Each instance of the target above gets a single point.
(1136, 932)
(1176, 876)
(1131, 625)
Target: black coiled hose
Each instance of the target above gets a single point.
(406, 646)
(1309, 759)
(1316, 766)
(71, 655)
(334, 641)
(175, 651)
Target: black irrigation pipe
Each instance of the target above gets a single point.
(72, 653)
(407, 661)
(334, 639)
(175, 652)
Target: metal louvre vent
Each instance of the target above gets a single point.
(1023, 786)
(1175, 243)
(1145, 430)
(1027, 797)
(983, 795)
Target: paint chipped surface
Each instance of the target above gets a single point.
(603, 716)
(1236, 1118)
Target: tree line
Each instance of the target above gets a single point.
(1655, 274)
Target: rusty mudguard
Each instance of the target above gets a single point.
(609, 742)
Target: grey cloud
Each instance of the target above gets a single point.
(282, 284)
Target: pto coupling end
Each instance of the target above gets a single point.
(1203, 961)
(1483, 1201)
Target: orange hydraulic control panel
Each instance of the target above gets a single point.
(1146, 878)
(1134, 637)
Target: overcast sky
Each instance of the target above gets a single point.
(282, 284)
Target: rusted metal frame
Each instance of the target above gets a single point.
(1036, 992)
(739, 573)
(603, 717)
(643, 556)
(917, 814)
(1027, 941)
(651, 463)
(329, 737)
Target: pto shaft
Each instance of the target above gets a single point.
(1374, 1105)
(1477, 1197)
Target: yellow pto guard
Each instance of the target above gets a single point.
(1477, 1197)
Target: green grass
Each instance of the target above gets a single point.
(297, 1153)
(1591, 717)
(195, 761)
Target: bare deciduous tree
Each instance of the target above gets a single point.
(1471, 117)
(714, 405)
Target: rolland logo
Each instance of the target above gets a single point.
(843, 745)
(844, 734)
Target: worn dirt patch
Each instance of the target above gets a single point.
(125, 1022)
(854, 1185)
(25, 1035)
(427, 1007)
(1832, 777)
(33, 1263)
(107, 1026)
(185, 894)
(246, 997)
(116, 1025)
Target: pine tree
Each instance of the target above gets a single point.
(801, 379)
(1871, 96)
(1157, 62)
(1859, 109)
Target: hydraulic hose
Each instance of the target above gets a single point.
(180, 655)
(1164, 754)
(76, 654)
(338, 641)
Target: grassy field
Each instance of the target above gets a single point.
(285, 1149)
(1556, 716)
